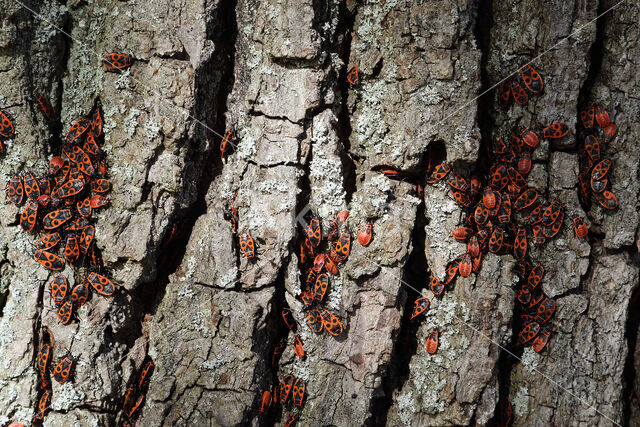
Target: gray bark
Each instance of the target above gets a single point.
(274, 71)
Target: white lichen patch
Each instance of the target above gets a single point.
(200, 321)
(521, 401)
(65, 396)
(123, 82)
(185, 291)
(213, 364)
(152, 129)
(334, 297)
(229, 277)
(131, 121)
(273, 186)
(530, 359)
(325, 174)
(406, 407)
(246, 147)
(370, 128)
(51, 14)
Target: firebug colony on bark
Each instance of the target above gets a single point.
(61, 203)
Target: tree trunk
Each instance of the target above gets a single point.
(306, 143)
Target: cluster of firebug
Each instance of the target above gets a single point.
(61, 373)
(594, 170)
(511, 88)
(137, 391)
(61, 204)
(505, 216)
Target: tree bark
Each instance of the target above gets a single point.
(305, 142)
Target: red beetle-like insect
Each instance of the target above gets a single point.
(465, 265)
(314, 320)
(314, 233)
(535, 276)
(76, 131)
(499, 178)
(526, 199)
(551, 213)
(529, 137)
(504, 94)
(71, 249)
(322, 283)
(285, 387)
(462, 233)
(116, 61)
(247, 246)
(299, 350)
(65, 311)
(524, 163)
(545, 310)
(330, 266)
(451, 272)
(555, 130)
(63, 369)
(288, 319)
(496, 240)
(48, 260)
(531, 78)
(580, 227)
(520, 244)
(79, 295)
(489, 198)
(56, 218)
(15, 190)
(31, 186)
(101, 284)
(541, 341)
(602, 116)
(29, 215)
(97, 201)
(336, 224)
(59, 288)
(607, 199)
(307, 298)
(265, 401)
(457, 182)
(341, 248)
(353, 77)
(298, 392)
(587, 116)
(473, 246)
(437, 287)
(439, 172)
(68, 189)
(528, 333)
(6, 126)
(519, 94)
(419, 306)
(331, 322)
(432, 342)
(84, 207)
(318, 263)
(364, 234)
(610, 132)
(550, 231)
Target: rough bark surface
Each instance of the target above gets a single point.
(274, 71)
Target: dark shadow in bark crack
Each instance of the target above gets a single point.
(396, 373)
